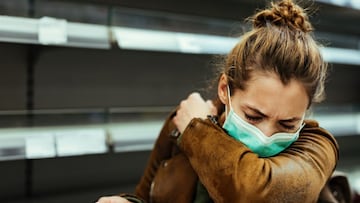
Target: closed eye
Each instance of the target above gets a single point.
(288, 126)
(253, 118)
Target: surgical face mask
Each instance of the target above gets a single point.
(254, 138)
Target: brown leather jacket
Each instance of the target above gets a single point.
(231, 172)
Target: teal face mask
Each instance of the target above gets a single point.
(254, 138)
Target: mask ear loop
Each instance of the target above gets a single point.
(228, 95)
(302, 123)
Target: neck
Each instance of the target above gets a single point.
(222, 117)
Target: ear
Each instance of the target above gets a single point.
(222, 89)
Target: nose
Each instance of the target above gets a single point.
(268, 129)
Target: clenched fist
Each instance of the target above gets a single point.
(192, 107)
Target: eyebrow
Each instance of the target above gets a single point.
(290, 120)
(257, 111)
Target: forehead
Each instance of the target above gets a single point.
(268, 94)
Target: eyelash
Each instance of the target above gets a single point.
(253, 118)
(258, 119)
(288, 127)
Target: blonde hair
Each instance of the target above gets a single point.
(280, 42)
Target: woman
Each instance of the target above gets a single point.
(258, 147)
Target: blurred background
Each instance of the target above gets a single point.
(86, 84)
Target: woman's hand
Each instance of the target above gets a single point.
(192, 107)
(112, 199)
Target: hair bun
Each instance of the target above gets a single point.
(283, 13)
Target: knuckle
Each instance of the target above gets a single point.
(194, 94)
(102, 199)
(183, 103)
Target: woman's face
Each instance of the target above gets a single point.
(267, 103)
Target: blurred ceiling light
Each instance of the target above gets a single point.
(18, 30)
(51, 31)
(341, 55)
(346, 3)
(143, 39)
(340, 124)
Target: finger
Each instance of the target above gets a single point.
(212, 107)
(174, 119)
(103, 200)
(210, 103)
(117, 199)
(183, 103)
(195, 94)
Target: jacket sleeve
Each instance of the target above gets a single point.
(162, 150)
(232, 173)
